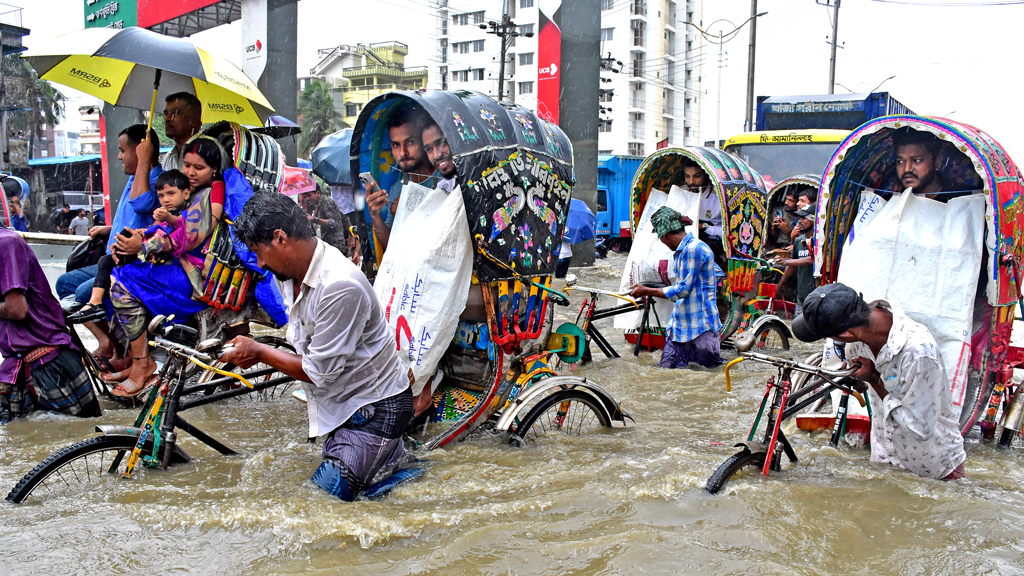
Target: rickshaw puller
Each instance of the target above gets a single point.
(691, 334)
(357, 392)
(913, 425)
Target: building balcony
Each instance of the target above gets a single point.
(393, 46)
(390, 71)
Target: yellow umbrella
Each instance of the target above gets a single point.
(134, 66)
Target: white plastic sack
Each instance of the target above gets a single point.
(423, 280)
(648, 258)
(924, 256)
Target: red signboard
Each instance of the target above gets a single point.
(153, 12)
(105, 168)
(549, 61)
(663, 144)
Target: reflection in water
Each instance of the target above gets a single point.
(619, 502)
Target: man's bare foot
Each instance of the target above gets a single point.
(141, 371)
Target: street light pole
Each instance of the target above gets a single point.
(748, 119)
(835, 43)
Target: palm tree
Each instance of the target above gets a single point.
(44, 103)
(318, 115)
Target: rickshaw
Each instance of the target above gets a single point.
(742, 193)
(516, 176)
(861, 174)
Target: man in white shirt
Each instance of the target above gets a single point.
(913, 424)
(710, 230)
(356, 389)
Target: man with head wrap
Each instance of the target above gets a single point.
(691, 334)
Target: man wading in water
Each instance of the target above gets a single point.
(357, 392)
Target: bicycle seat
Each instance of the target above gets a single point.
(69, 305)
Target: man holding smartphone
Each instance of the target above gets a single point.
(405, 129)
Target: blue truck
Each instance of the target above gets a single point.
(614, 179)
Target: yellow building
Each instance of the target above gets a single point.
(360, 73)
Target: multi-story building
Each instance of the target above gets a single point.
(358, 74)
(89, 135)
(651, 73)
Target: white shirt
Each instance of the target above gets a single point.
(337, 325)
(711, 211)
(915, 426)
(172, 160)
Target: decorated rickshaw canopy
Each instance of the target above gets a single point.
(776, 196)
(515, 169)
(739, 187)
(973, 162)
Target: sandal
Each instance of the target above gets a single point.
(122, 392)
(88, 313)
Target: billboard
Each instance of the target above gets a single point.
(549, 58)
(153, 12)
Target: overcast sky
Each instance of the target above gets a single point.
(961, 62)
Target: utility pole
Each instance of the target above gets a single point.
(835, 43)
(748, 122)
(718, 104)
(506, 31)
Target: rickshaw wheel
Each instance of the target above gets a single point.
(768, 338)
(569, 412)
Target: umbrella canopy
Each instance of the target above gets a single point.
(332, 160)
(278, 126)
(120, 67)
(581, 224)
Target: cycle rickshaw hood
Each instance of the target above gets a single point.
(515, 169)
(740, 189)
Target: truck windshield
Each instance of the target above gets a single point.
(776, 162)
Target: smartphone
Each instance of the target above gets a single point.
(124, 232)
(778, 213)
(367, 179)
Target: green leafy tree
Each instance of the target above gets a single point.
(44, 102)
(318, 116)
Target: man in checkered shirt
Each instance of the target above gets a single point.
(691, 334)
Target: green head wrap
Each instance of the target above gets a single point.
(666, 220)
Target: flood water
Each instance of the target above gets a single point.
(623, 502)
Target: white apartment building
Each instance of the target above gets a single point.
(653, 99)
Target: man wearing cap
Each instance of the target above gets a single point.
(800, 263)
(913, 425)
(691, 334)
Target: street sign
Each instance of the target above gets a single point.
(110, 13)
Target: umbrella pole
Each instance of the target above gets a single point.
(152, 106)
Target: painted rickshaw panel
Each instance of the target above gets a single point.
(740, 189)
(865, 159)
(516, 170)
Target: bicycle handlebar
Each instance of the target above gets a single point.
(833, 377)
(595, 291)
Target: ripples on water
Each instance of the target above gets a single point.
(623, 502)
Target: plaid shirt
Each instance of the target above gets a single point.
(693, 270)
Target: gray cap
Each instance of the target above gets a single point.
(829, 311)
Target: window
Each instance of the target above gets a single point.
(607, 4)
(526, 59)
(478, 74)
(602, 200)
(460, 19)
(638, 65)
(444, 27)
(526, 29)
(636, 149)
(460, 76)
(478, 45)
(526, 3)
(604, 126)
(606, 95)
(607, 34)
(526, 87)
(351, 110)
(478, 17)
(639, 28)
(460, 47)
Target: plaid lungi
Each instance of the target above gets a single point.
(60, 384)
(371, 439)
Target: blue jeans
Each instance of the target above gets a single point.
(77, 282)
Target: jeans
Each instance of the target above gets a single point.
(77, 282)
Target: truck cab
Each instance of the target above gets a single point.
(614, 180)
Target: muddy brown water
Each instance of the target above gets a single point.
(623, 502)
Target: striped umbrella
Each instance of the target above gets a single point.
(134, 66)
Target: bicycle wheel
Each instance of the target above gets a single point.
(569, 412)
(267, 394)
(769, 338)
(78, 468)
(732, 466)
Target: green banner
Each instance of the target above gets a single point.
(110, 13)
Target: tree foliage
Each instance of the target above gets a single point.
(44, 103)
(318, 115)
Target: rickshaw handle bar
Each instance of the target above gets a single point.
(619, 295)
